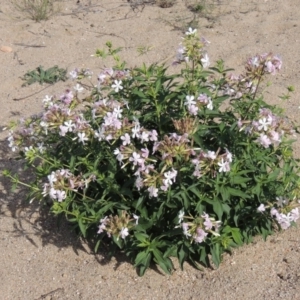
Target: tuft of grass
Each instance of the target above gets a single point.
(36, 10)
(203, 8)
(165, 3)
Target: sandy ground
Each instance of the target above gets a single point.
(41, 261)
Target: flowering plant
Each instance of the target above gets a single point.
(163, 165)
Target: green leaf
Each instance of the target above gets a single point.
(82, 226)
(218, 208)
(142, 237)
(182, 254)
(216, 256)
(164, 263)
(141, 258)
(238, 193)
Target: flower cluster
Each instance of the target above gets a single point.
(283, 211)
(194, 105)
(267, 63)
(62, 181)
(117, 226)
(198, 228)
(113, 78)
(269, 128)
(206, 162)
(238, 85)
(192, 49)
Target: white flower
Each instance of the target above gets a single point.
(70, 125)
(211, 154)
(124, 232)
(189, 100)
(119, 155)
(180, 216)
(41, 147)
(135, 131)
(210, 104)
(224, 166)
(261, 208)
(254, 61)
(117, 85)
(47, 99)
(136, 219)
(263, 124)
(51, 178)
(205, 61)
(169, 177)
(73, 74)
(82, 137)
(118, 112)
(78, 88)
(191, 31)
(26, 149)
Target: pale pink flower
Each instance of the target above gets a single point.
(295, 214)
(270, 67)
(207, 223)
(153, 135)
(145, 152)
(200, 236)
(275, 137)
(139, 183)
(144, 136)
(126, 139)
(136, 159)
(60, 195)
(185, 228)
(274, 211)
(264, 141)
(153, 191)
(193, 110)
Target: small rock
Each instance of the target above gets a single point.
(6, 49)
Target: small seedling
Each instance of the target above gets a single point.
(41, 76)
(144, 49)
(36, 10)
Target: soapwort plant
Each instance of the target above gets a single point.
(162, 165)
